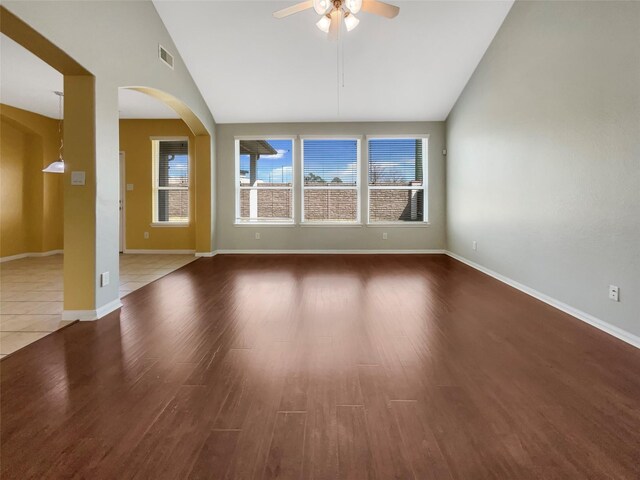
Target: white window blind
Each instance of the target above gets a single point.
(396, 172)
(265, 181)
(171, 181)
(330, 186)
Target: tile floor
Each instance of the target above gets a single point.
(31, 293)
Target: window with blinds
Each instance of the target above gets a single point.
(264, 173)
(330, 190)
(397, 180)
(171, 181)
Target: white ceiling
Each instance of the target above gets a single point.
(251, 67)
(27, 82)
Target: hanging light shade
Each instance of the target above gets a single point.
(58, 165)
(324, 23)
(351, 22)
(55, 167)
(354, 6)
(321, 6)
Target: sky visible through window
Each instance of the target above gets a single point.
(333, 159)
(178, 166)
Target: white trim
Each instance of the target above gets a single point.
(239, 188)
(332, 252)
(330, 136)
(423, 187)
(206, 254)
(400, 135)
(606, 327)
(30, 254)
(90, 315)
(334, 224)
(265, 137)
(155, 187)
(160, 252)
(357, 187)
(248, 223)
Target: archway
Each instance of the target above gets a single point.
(203, 171)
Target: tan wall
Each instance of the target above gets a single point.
(135, 142)
(31, 214)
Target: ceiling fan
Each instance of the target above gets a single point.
(335, 11)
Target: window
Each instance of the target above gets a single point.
(264, 181)
(397, 180)
(330, 191)
(170, 181)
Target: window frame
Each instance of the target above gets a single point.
(155, 180)
(238, 222)
(357, 187)
(424, 187)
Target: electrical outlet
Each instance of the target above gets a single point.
(614, 293)
(104, 279)
(385, 236)
(475, 245)
(257, 235)
(146, 235)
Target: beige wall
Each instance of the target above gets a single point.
(135, 142)
(543, 165)
(413, 237)
(31, 218)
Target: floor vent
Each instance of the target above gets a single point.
(165, 56)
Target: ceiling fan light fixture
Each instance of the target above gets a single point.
(351, 22)
(324, 23)
(354, 6)
(321, 6)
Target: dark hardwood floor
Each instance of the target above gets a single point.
(324, 367)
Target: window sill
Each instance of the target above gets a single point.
(264, 224)
(399, 224)
(170, 224)
(330, 224)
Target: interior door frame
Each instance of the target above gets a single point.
(123, 201)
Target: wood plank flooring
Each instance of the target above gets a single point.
(324, 367)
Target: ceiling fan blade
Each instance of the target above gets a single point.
(380, 8)
(336, 21)
(298, 7)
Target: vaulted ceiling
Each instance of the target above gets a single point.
(28, 83)
(251, 67)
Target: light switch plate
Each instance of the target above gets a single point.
(129, 186)
(77, 178)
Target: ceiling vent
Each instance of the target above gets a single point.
(165, 56)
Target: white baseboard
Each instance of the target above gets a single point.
(329, 252)
(606, 327)
(89, 315)
(161, 252)
(30, 254)
(206, 254)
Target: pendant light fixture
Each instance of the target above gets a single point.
(58, 165)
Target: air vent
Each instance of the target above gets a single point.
(165, 56)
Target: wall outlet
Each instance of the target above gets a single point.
(129, 187)
(385, 236)
(146, 235)
(614, 293)
(104, 279)
(257, 235)
(475, 245)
